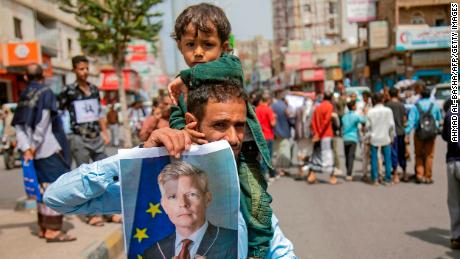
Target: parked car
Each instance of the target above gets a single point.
(440, 94)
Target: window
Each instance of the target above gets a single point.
(17, 28)
(417, 18)
(306, 8)
(331, 24)
(69, 46)
(440, 19)
(332, 8)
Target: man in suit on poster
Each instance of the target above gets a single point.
(184, 197)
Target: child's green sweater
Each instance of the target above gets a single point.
(255, 201)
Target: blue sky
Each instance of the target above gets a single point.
(249, 18)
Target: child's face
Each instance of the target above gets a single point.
(200, 47)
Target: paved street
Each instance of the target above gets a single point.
(357, 220)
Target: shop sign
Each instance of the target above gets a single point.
(431, 58)
(313, 75)
(297, 61)
(22, 54)
(300, 46)
(378, 35)
(110, 80)
(361, 10)
(422, 37)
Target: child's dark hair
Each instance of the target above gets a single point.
(79, 59)
(199, 16)
(351, 104)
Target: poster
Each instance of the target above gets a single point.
(167, 201)
(86, 110)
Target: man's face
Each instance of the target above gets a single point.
(185, 202)
(200, 47)
(81, 71)
(225, 121)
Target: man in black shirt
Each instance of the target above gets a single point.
(89, 130)
(453, 175)
(399, 146)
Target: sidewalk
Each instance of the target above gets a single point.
(18, 238)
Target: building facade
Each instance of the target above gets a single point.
(44, 32)
(418, 45)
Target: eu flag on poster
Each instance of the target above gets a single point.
(146, 223)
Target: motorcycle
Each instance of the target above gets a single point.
(11, 154)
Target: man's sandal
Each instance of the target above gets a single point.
(96, 221)
(61, 237)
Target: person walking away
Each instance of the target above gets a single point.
(380, 125)
(282, 135)
(365, 144)
(42, 139)
(398, 148)
(267, 120)
(89, 130)
(114, 126)
(322, 159)
(453, 177)
(303, 135)
(350, 133)
(424, 117)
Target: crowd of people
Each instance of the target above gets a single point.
(376, 124)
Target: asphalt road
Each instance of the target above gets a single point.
(357, 220)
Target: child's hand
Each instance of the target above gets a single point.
(196, 136)
(175, 88)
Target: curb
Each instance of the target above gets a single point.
(111, 247)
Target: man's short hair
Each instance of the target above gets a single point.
(426, 93)
(179, 168)
(394, 92)
(34, 72)
(377, 98)
(200, 16)
(366, 93)
(351, 104)
(79, 59)
(221, 92)
(328, 96)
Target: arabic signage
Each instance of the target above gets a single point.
(415, 37)
(361, 10)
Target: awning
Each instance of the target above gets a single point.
(131, 80)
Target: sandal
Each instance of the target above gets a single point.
(96, 221)
(115, 218)
(61, 237)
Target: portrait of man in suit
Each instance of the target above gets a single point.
(184, 197)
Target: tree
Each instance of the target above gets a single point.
(107, 28)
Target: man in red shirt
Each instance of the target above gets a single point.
(267, 120)
(322, 159)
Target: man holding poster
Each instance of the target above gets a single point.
(217, 111)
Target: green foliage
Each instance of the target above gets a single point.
(109, 25)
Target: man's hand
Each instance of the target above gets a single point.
(196, 136)
(406, 139)
(28, 155)
(175, 88)
(105, 137)
(175, 141)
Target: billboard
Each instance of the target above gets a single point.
(298, 60)
(379, 36)
(422, 37)
(361, 10)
